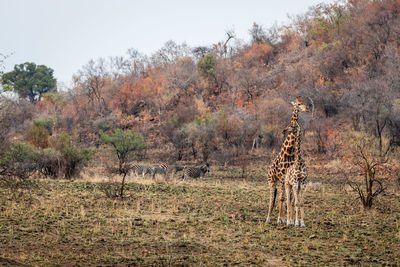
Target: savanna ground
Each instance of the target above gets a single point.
(216, 221)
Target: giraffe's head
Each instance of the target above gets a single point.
(300, 105)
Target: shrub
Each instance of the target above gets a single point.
(13, 115)
(38, 134)
(73, 158)
(17, 164)
(47, 123)
(201, 133)
(50, 163)
(104, 123)
(271, 136)
(174, 133)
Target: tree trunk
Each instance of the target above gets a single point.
(379, 130)
(180, 155)
(122, 186)
(367, 200)
(194, 152)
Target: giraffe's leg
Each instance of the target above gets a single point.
(296, 203)
(281, 200)
(301, 200)
(272, 186)
(291, 206)
(288, 204)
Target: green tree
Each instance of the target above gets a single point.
(29, 80)
(206, 65)
(124, 144)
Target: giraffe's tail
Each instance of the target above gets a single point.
(274, 198)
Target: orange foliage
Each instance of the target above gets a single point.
(125, 121)
(151, 86)
(258, 54)
(201, 107)
(240, 102)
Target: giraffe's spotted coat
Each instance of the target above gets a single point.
(284, 159)
(295, 183)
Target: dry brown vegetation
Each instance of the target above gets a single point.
(217, 221)
(226, 104)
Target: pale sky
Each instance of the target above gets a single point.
(65, 34)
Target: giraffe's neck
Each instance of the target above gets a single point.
(288, 145)
(297, 144)
(295, 116)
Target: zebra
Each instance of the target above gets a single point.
(196, 172)
(176, 168)
(159, 169)
(165, 169)
(140, 169)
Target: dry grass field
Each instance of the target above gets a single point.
(216, 221)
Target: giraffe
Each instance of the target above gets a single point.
(295, 182)
(284, 159)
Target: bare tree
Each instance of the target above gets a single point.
(201, 133)
(91, 81)
(362, 151)
(169, 53)
(14, 116)
(258, 34)
(370, 103)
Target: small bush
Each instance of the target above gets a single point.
(38, 134)
(271, 136)
(104, 123)
(73, 158)
(18, 163)
(202, 133)
(47, 123)
(50, 163)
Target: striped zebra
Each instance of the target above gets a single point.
(176, 168)
(159, 169)
(196, 172)
(141, 169)
(165, 170)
